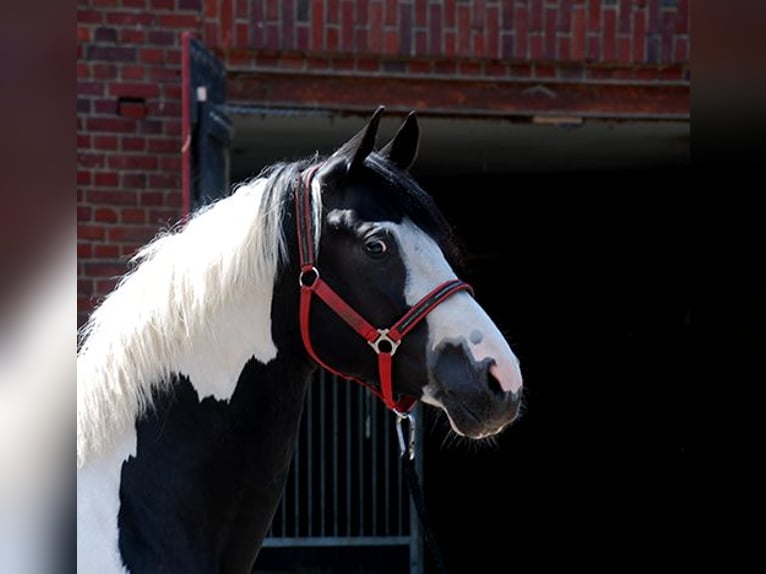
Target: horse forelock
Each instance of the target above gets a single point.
(136, 339)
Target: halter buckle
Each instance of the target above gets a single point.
(386, 340)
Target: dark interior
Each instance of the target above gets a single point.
(589, 275)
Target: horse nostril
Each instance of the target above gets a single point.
(494, 384)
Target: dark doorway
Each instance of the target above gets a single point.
(589, 275)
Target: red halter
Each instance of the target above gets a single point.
(383, 341)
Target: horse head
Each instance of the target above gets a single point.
(384, 249)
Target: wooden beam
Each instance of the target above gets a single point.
(459, 97)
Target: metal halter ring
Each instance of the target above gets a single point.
(310, 271)
(384, 338)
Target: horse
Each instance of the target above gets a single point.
(192, 372)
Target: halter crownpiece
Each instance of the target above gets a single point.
(383, 341)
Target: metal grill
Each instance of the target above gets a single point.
(345, 486)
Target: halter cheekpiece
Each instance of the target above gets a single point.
(384, 342)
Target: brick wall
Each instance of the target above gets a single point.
(129, 84)
(128, 131)
(575, 39)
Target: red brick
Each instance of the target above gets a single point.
(132, 215)
(93, 232)
(179, 20)
(90, 88)
(317, 25)
(464, 30)
(106, 250)
(163, 145)
(682, 23)
(132, 36)
(133, 72)
(610, 36)
(83, 177)
(544, 71)
(564, 21)
(83, 71)
(564, 48)
(129, 233)
(134, 90)
(105, 35)
(173, 199)
(550, 33)
(111, 53)
(376, 27)
(681, 50)
(90, 159)
(478, 45)
(332, 39)
(392, 42)
(89, 16)
(104, 269)
(110, 197)
(578, 34)
(419, 67)
(493, 33)
(449, 44)
(133, 144)
(131, 109)
(83, 141)
(104, 71)
(536, 15)
(420, 43)
(84, 213)
(163, 216)
(435, 29)
(105, 179)
(134, 19)
(536, 47)
(624, 49)
(347, 25)
(594, 16)
(83, 34)
(151, 198)
(105, 215)
(143, 162)
(105, 286)
(478, 16)
(520, 50)
(105, 142)
(152, 55)
(164, 181)
(105, 106)
(420, 10)
(391, 12)
(367, 65)
(639, 36)
(84, 251)
(449, 14)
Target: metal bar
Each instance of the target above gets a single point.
(416, 540)
(296, 486)
(322, 450)
(374, 476)
(335, 460)
(310, 460)
(360, 450)
(387, 467)
(348, 458)
(336, 541)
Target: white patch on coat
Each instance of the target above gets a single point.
(198, 303)
(98, 506)
(459, 317)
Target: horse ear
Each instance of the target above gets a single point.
(403, 148)
(355, 150)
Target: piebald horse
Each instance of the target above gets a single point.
(192, 373)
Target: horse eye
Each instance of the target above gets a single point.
(375, 247)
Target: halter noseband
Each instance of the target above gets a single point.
(383, 341)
